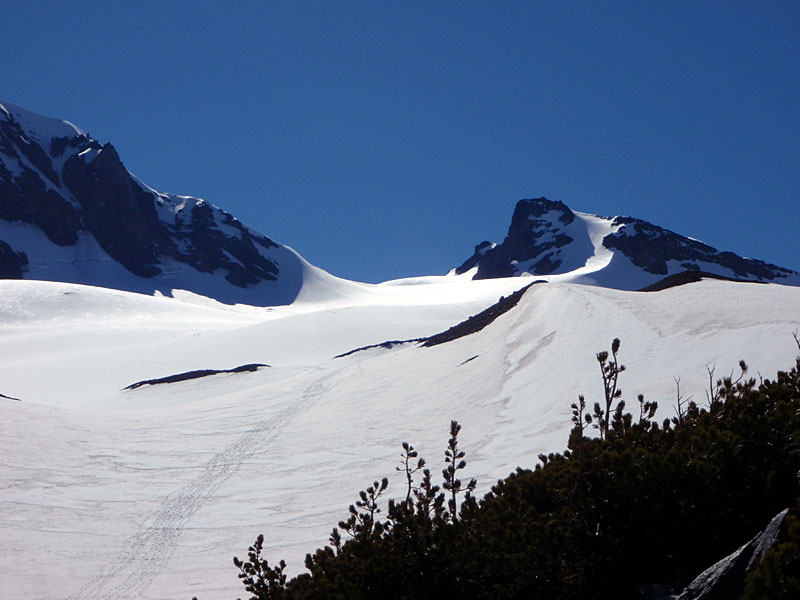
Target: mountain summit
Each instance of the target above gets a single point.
(546, 238)
(70, 211)
(107, 426)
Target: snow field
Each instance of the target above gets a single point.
(149, 493)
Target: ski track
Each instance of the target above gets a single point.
(146, 553)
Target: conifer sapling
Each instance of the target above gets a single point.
(454, 458)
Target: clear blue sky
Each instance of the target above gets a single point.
(385, 140)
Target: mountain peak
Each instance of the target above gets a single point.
(38, 127)
(70, 211)
(546, 238)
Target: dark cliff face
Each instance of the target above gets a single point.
(26, 197)
(12, 264)
(207, 247)
(545, 237)
(536, 234)
(117, 212)
(70, 184)
(480, 251)
(651, 247)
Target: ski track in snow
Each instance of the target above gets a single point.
(143, 556)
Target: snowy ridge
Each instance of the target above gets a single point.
(39, 127)
(547, 239)
(70, 211)
(147, 493)
(168, 482)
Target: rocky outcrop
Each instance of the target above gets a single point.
(726, 578)
(536, 235)
(471, 325)
(116, 211)
(10, 129)
(12, 264)
(26, 195)
(69, 186)
(547, 238)
(189, 375)
(652, 248)
(208, 248)
(480, 250)
(685, 277)
(477, 322)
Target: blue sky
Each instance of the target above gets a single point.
(385, 140)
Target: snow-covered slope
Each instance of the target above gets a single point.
(547, 239)
(148, 493)
(70, 211)
(107, 492)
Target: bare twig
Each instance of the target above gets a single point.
(680, 408)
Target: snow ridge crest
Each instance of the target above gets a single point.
(547, 238)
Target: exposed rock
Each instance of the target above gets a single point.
(546, 238)
(472, 325)
(387, 345)
(122, 221)
(685, 277)
(651, 247)
(26, 198)
(726, 579)
(30, 149)
(248, 368)
(92, 192)
(209, 247)
(480, 251)
(477, 322)
(535, 234)
(12, 264)
(58, 145)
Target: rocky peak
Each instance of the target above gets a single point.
(656, 250)
(116, 210)
(537, 232)
(547, 238)
(58, 179)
